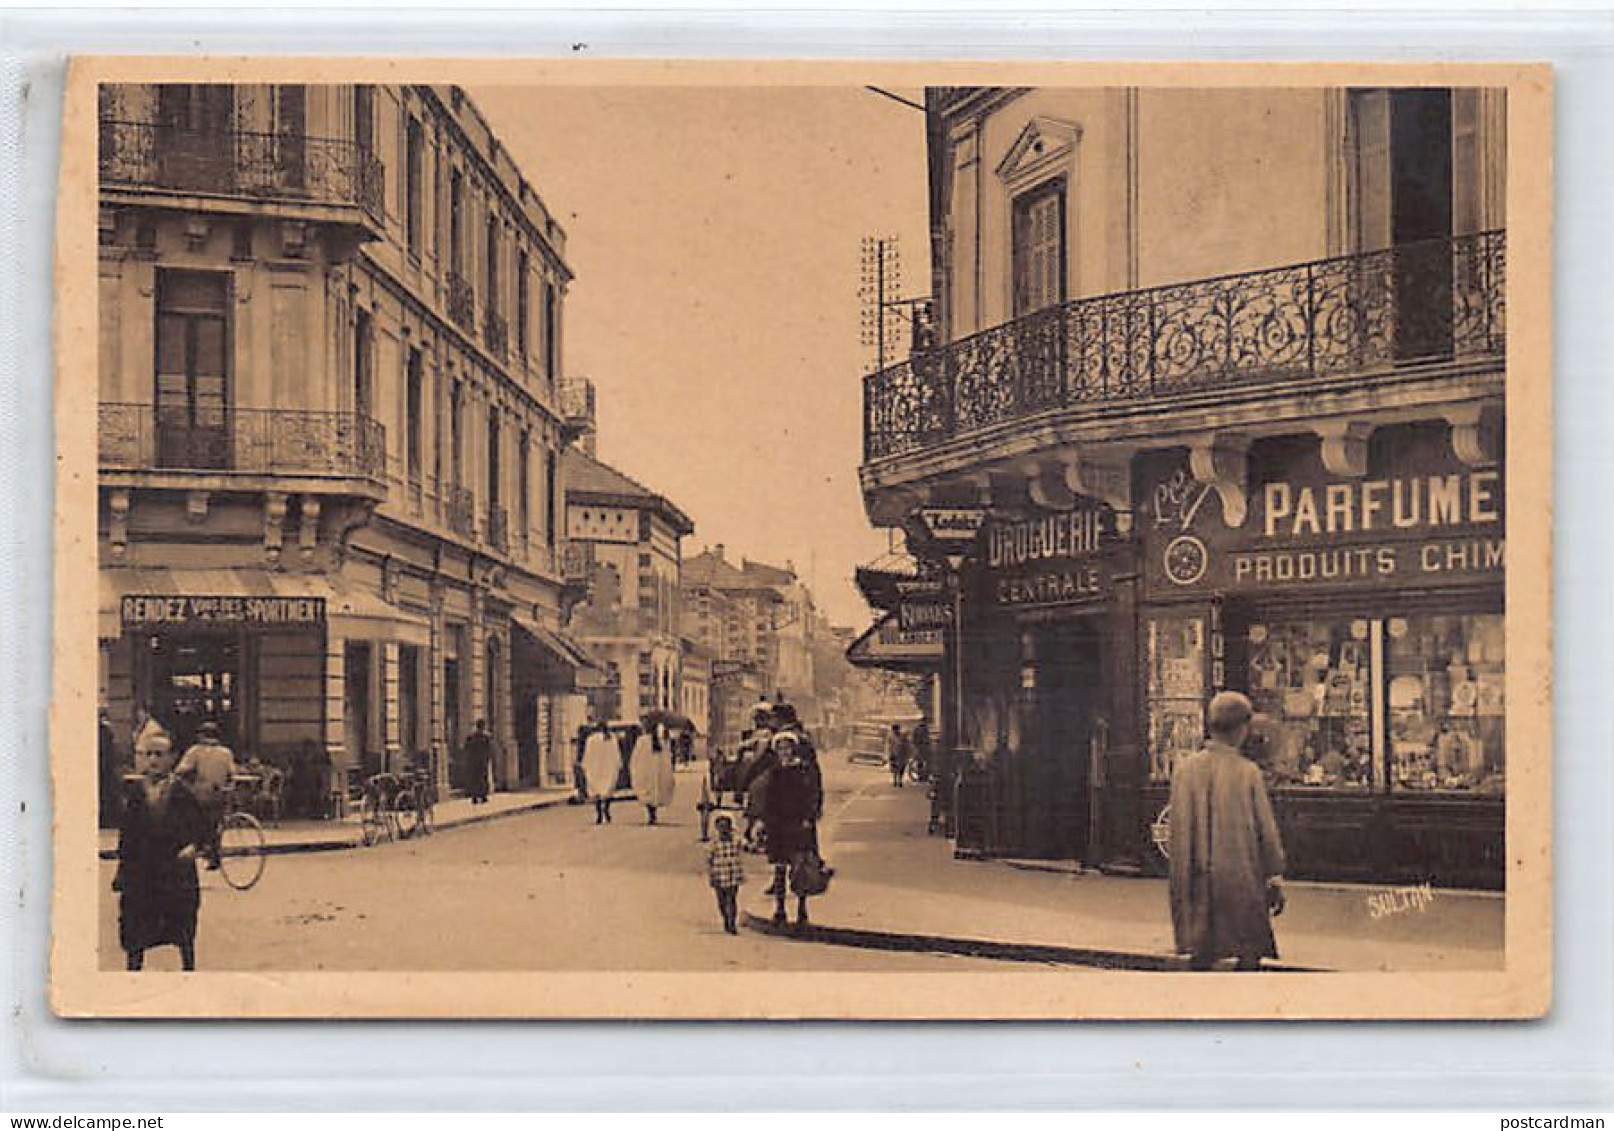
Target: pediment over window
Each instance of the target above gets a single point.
(1043, 144)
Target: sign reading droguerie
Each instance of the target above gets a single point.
(1055, 558)
(182, 612)
(1422, 519)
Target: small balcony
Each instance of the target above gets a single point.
(252, 441)
(1358, 317)
(287, 167)
(496, 334)
(459, 511)
(498, 529)
(461, 302)
(576, 407)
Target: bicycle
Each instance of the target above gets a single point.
(242, 845)
(396, 808)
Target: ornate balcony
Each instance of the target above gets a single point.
(288, 167)
(498, 529)
(259, 441)
(496, 333)
(1361, 315)
(459, 511)
(461, 302)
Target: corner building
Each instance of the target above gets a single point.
(330, 428)
(1222, 373)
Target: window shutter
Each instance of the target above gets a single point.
(1368, 123)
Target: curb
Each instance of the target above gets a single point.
(335, 844)
(1041, 953)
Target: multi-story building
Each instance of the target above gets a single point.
(624, 544)
(330, 438)
(1221, 374)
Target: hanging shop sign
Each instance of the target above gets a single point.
(953, 526)
(1426, 520)
(1053, 558)
(924, 604)
(185, 612)
(887, 644)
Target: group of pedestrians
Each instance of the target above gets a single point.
(784, 789)
(651, 772)
(905, 750)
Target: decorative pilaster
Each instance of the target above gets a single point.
(391, 721)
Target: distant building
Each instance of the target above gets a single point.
(329, 427)
(624, 544)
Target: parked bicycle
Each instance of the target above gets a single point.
(396, 807)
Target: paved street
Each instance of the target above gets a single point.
(537, 891)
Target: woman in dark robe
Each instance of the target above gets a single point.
(162, 825)
(792, 805)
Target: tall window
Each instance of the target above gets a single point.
(199, 107)
(1039, 248)
(363, 347)
(364, 117)
(493, 456)
(551, 332)
(414, 185)
(523, 300)
(1401, 141)
(412, 412)
(524, 485)
(550, 496)
(456, 222)
(492, 300)
(456, 434)
(192, 369)
(291, 132)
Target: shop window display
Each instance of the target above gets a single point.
(1445, 702)
(1175, 661)
(1313, 679)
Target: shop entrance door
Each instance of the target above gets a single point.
(196, 677)
(1070, 698)
(356, 670)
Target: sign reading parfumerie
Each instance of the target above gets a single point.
(179, 612)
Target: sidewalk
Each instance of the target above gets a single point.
(897, 888)
(328, 836)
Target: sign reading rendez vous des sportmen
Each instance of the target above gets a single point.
(1430, 522)
(148, 612)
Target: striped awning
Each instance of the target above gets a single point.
(351, 610)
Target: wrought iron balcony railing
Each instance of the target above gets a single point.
(280, 166)
(1416, 303)
(262, 441)
(459, 511)
(498, 530)
(496, 333)
(461, 301)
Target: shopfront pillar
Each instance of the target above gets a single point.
(391, 722)
(335, 702)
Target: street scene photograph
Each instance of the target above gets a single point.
(865, 529)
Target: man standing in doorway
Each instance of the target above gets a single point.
(208, 767)
(479, 761)
(1226, 856)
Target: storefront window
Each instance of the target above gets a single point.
(1175, 662)
(1445, 702)
(1314, 680)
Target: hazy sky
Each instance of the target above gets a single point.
(715, 237)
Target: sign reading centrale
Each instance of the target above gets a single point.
(1051, 559)
(181, 612)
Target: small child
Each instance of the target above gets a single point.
(726, 870)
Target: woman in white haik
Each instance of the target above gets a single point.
(651, 769)
(602, 762)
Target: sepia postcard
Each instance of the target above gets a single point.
(776, 540)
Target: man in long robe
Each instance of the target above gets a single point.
(1226, 856)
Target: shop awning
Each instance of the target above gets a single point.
(350, 610)
(562, 649)
(885, 645)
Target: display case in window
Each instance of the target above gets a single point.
(1313, 679)
(1444, 699)
(1174, 659)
